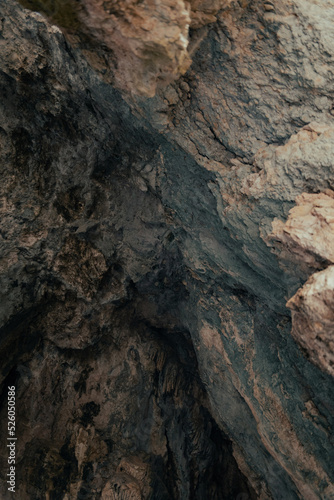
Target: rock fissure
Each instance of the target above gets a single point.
(166, 200)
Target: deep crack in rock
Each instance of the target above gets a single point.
(149, 247)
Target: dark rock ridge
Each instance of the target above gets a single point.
(149, 246)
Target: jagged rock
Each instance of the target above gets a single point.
(205, 12)
(136, 45)
(305, 160)
(313, 318)
(143, 314)
(149, 40)
(307, 237)
(305, 243)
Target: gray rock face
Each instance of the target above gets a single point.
(144, 281)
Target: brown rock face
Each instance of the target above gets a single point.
(138, 45)
(166, 186)
(306, 241)
(313, 318)
(307, 237)
(149, 39)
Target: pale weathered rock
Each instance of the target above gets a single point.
(313, 318)
(149, 39)
(136, 45)
(305, 242)
(306, 159)
(205, 12)
(306, 239)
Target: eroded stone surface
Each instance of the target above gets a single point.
(148, 39)
(313, 318)
(167, 203)
(136, 45)
(305, 242)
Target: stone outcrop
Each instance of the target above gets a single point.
(306, 242)
(149, 246)
(135, 45)
(312, 318)
(307, 237)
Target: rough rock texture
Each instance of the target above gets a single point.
(313, 318)
(306, 242)
(307, 237)
(144, 271)
(136, 45)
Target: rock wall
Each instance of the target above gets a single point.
(150, 240)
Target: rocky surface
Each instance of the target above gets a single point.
(306, 240)
(136, 45)
(312, 318)
(149, 247)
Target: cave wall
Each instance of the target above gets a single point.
(146, 260)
